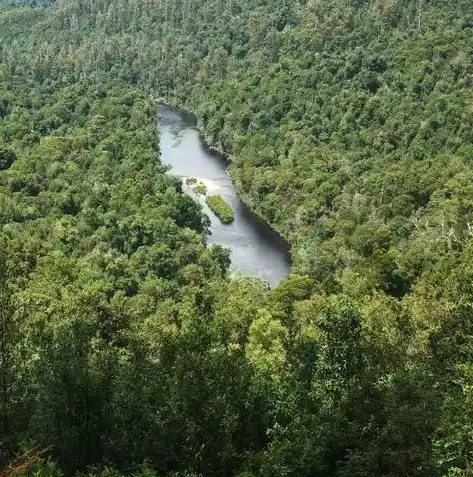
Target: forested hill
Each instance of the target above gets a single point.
(348, 122)
(123, 342)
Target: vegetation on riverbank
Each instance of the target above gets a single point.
(123, 342)
(220, 208)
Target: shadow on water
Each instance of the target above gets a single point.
(256, 249)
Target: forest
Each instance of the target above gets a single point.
(126, 346)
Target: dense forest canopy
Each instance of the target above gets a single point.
(125, 345)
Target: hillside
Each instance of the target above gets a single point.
(349, 125)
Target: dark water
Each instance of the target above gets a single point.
(255, 248)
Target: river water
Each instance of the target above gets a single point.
(256, 249)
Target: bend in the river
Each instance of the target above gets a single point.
(256, 249)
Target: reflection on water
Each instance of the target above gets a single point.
(255, 248)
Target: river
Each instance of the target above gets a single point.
(256, 249)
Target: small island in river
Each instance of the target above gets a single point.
(220, 208)
(197, 186)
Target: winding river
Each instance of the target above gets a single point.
(256, 249)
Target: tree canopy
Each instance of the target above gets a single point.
(125, 346)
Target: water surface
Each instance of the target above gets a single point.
(256, 249)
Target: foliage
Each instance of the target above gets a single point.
(197, 186)
(123, 340)
(200, 188)
(220, 208)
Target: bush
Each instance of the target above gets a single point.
(200, 188)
